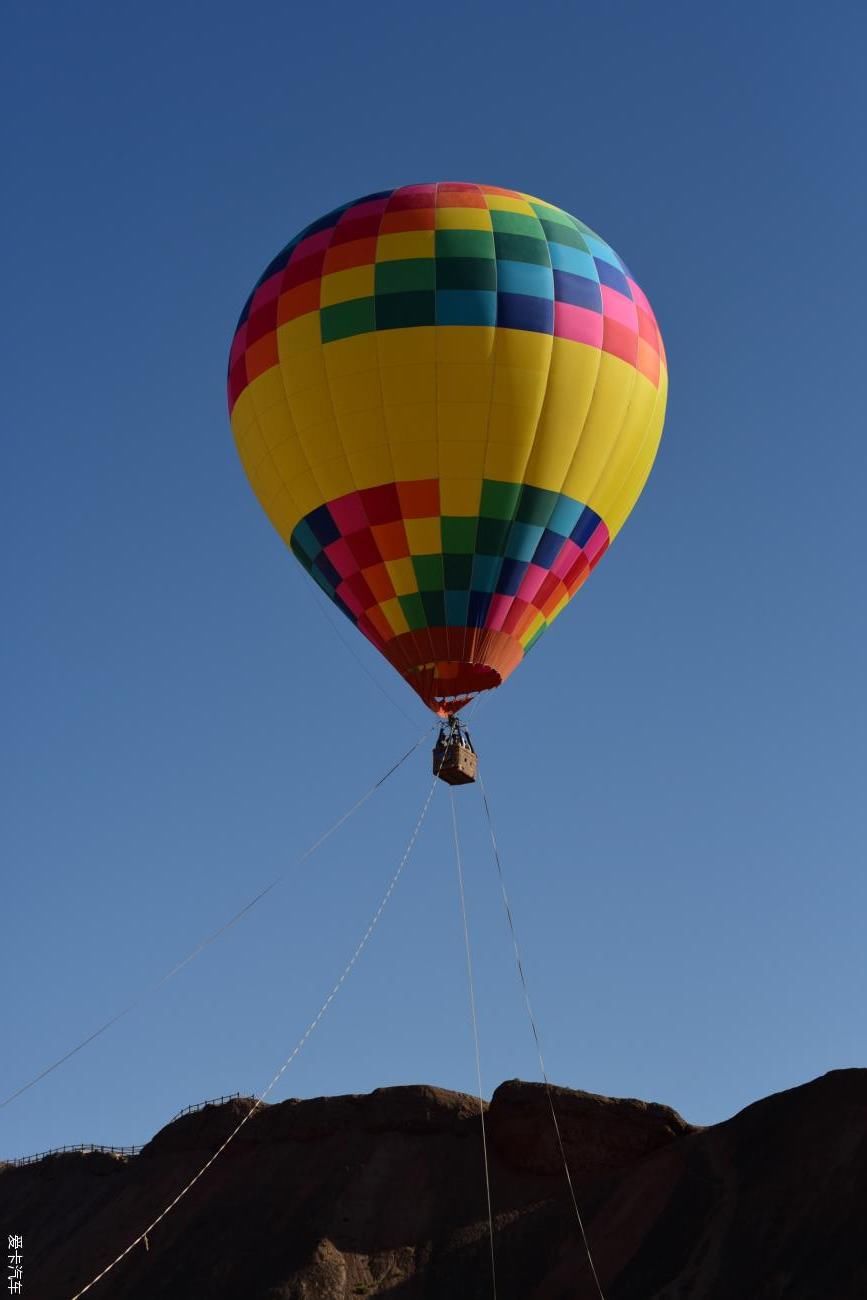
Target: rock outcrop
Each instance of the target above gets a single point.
(383, 1195)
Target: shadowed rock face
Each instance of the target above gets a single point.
(383, 1194)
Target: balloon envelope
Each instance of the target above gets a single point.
(447, 399)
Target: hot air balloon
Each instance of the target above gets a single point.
(447, 399)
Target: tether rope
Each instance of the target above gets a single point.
(548, 1090)
(143, 1235)
(475, 1041)
(211, 938)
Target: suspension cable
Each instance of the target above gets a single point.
(143, 1235)
(211, 938)
(475, 1040)
(548, 1089)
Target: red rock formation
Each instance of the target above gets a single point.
(383, 1195)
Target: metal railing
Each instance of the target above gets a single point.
(88, 1147)
(200, 1105)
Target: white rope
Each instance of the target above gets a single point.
(289, 1059)
(475, 1041)
(549, 1092)
(205, 943)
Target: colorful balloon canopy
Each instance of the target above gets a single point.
(447, 399)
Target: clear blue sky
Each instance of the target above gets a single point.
(680, 804)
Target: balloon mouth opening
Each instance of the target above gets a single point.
(447, 685)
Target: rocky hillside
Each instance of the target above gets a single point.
(383, 1195)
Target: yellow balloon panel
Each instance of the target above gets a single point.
(448, 399)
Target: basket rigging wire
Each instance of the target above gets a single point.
(216, 934)
(474, 1019)
(536, 1038)
(142, 1237)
